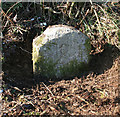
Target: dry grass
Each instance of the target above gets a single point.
(92, 94)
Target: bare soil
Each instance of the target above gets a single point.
(95, 92)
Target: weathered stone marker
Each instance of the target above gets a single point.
(60, 51)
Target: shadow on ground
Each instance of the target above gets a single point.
(17, 66)
(104, 60)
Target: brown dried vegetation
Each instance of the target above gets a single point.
(95, 92)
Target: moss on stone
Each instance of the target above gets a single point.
(73, 68)
(119, 35)
(47, 68)
(44, 67)
(88, 47)
(35, 54)
(34, 57)
(39, 40)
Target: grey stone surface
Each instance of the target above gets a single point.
(60, 51)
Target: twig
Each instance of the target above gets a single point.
(71, 7)
(50, 9)
(82, 99)
(16, 88)
(57, 106)
(2, 12)
(25, 50)
(48, 89)
(44, 111)
(96, 17)
(11, 8)
(84, 16)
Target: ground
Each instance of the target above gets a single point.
(95, 92)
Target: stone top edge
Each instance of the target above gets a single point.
(61, 25)
(53, 26)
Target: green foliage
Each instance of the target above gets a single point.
(119, 35)
(11, 6)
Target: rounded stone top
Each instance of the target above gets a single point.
(59, 51)
(56, 31)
